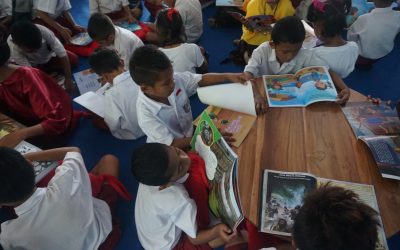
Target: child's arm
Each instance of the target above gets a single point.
(219, 231)
(64, 32)
(216, 78)
(182, 143)
(128, 15)
(344, 91)
(66, 66)
(72, 22)
(54, 154)
(12, 139)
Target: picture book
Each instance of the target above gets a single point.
(87, 81)
(94, 101)
(221, 169)
(81, 39)
(129, 26)
(257, 23)
(235, 3)
(234, 115)
(283, 194)
(8, 125)
(379, 127)
(307, 86)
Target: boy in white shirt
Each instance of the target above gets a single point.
(64, 215)
(120, 99)
(163, 106)
(375, 32)
(118, 10)
(102, 30)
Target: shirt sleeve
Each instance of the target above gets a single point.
(189, 81)
(94, 6)
(53, 42)
(255, 62)
(198, 55)
(17, 54)
(48, 6)
(7, 8)
(185, 218)
(353, 34)
(124, 3)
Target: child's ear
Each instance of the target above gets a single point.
(272, 44)
(144, 88)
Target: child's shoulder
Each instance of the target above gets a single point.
(170, 196)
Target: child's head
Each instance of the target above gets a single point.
(287, 38)
(4, 48)
(156, 164)
(334, 218)
(101, 29)
(27, 36)
(329, 17)
(170, 27)
(383, 3)
(106, 63)
(17, 179)
(151, 69)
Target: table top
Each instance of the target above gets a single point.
(318, 140)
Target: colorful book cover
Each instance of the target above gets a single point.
(129, 26)
(81, 39)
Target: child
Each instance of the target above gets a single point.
(171, 33)
(35, 45)
(55, 15)
(34, 99)
(285, 55)
(192, 17)
(166, 217)
(117, 10)
(375, 32)
(120, 100)
(335, 218)
(329, 19)
(64, 215)
(102, 30)
(163, 106)
(5, 12)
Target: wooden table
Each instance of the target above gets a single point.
(317, 140)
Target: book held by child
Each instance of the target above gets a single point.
(86, 80)
(94, 100)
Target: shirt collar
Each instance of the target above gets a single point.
(152, 105)
(35, 198)
(122, 77)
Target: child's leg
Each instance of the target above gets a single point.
(108, 164)
(55, 64)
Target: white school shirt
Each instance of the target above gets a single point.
(106, 6)
(185, 57)
(50, 47)
(375, 32)
(192, 17)
(163, 123)
(120, 108)
(339, 59)
(162, 215)
(62, 216)
(125, 43)
(5, 8)
(263, 61)
(52, 7)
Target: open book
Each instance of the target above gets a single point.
(129, 26)
(307, 86)
(232, 108)
(81, 39)
(259, 23)
(379, 127)
(283, 194)
(221, 168)
(87, 81)
(94, 101)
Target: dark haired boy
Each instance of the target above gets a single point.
(121, 96)
(163, 106)
(102, 30)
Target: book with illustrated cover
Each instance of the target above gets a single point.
(129, 26)
(81, 39)
(379, 127)
(283, 194)
(221, 168)
(307, 86)
(86, 80)
(257, 23)
(235, 3)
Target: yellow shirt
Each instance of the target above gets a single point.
(260, 7)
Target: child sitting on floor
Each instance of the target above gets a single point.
(120, 99)
(329, 20)
(171, 210)
(172, 38)
(117, 10)
(35, 45)
(163, 106)
(64, 215)
(102, 30)
(375, 32)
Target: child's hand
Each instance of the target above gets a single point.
(228, 137)
(65, 34)
(343, 96)
(248, 76)
(11, 140)
(260, 104)
(237, 77)
(131, 19)
(79, 29)
(224, 232)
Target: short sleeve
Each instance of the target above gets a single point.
(52, 41)
(94, 6)
(189, 81)
(198, 56)
(17, 56)
(6, 8)
(255, 62)
(185, 218)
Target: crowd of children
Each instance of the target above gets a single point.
(147, 93)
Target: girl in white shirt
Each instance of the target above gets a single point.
(172, 37)
(329, 19)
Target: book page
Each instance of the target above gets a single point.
(283, 91)
(94, 101)
(87, 81)
(81, 39)
(233, 96)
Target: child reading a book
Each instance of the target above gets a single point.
(329, 20)
(172, 200)
(34, 99)
(334, 218)
(120, 99)
(102, 30)
(172, 38)
(35, 45)
(163, 106)
(55, 15)
(63, 215)
(375, 32)
(117, 10)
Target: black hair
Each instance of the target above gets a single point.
(334, 218)
(332, 16)
(104, 60)
(100, 26)
(170, 27)
(17, 178)
(4, 48)
(146, 64)
(27, 34)
(149, 164)
(289, 29)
